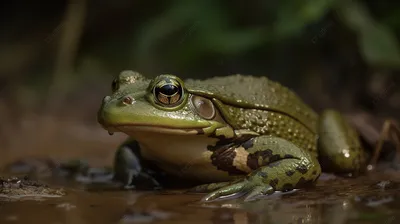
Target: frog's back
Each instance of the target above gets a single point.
(256, 93)
(261, 105)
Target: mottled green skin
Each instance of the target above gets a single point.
(263, 138)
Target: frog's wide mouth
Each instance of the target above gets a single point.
(137, 128)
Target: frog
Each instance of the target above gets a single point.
(237, 136)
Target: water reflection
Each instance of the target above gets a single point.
(335, 201)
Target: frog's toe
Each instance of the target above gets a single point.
(236, 189)
(245, 188)
(258, 192)
(205, 188)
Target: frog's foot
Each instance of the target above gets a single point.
(250, 191)
(391, 129)
(282, 175)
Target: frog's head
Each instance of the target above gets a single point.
(160, 105)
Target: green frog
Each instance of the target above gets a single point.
(236, 135)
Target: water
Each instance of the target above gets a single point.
(368, 199)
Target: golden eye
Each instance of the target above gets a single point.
(168, 92)
(204, 107)
(115, 85)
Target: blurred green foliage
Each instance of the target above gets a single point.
(215, 27)
(281, 39)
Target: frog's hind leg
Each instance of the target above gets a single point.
(272, 163)
(390, 127)
(339, 146)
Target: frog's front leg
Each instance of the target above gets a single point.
(134, 171)
(274, 164)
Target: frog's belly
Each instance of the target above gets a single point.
(183, 156)
(199, 170)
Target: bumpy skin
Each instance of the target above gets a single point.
(340, 150)
(240, 135)
(273, 164)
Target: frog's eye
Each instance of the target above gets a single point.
(168, 92)
(115, 85)
(204, 107)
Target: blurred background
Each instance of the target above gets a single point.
(58, 59)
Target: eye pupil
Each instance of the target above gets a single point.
(169, 93)
(168, 90)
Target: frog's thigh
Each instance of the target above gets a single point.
(339, 147)
(283, 165)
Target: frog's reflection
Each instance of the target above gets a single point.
(268, 211)
(226, 215)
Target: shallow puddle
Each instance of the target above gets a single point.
(334, 200)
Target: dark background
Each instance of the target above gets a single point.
(58, 58)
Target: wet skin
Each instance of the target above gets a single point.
(239, 135)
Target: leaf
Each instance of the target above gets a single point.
(378, 44)
(294, 16)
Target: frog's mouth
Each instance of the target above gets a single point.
(133, 129)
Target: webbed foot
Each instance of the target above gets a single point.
(248, 190)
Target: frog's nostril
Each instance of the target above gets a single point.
(128, 100)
